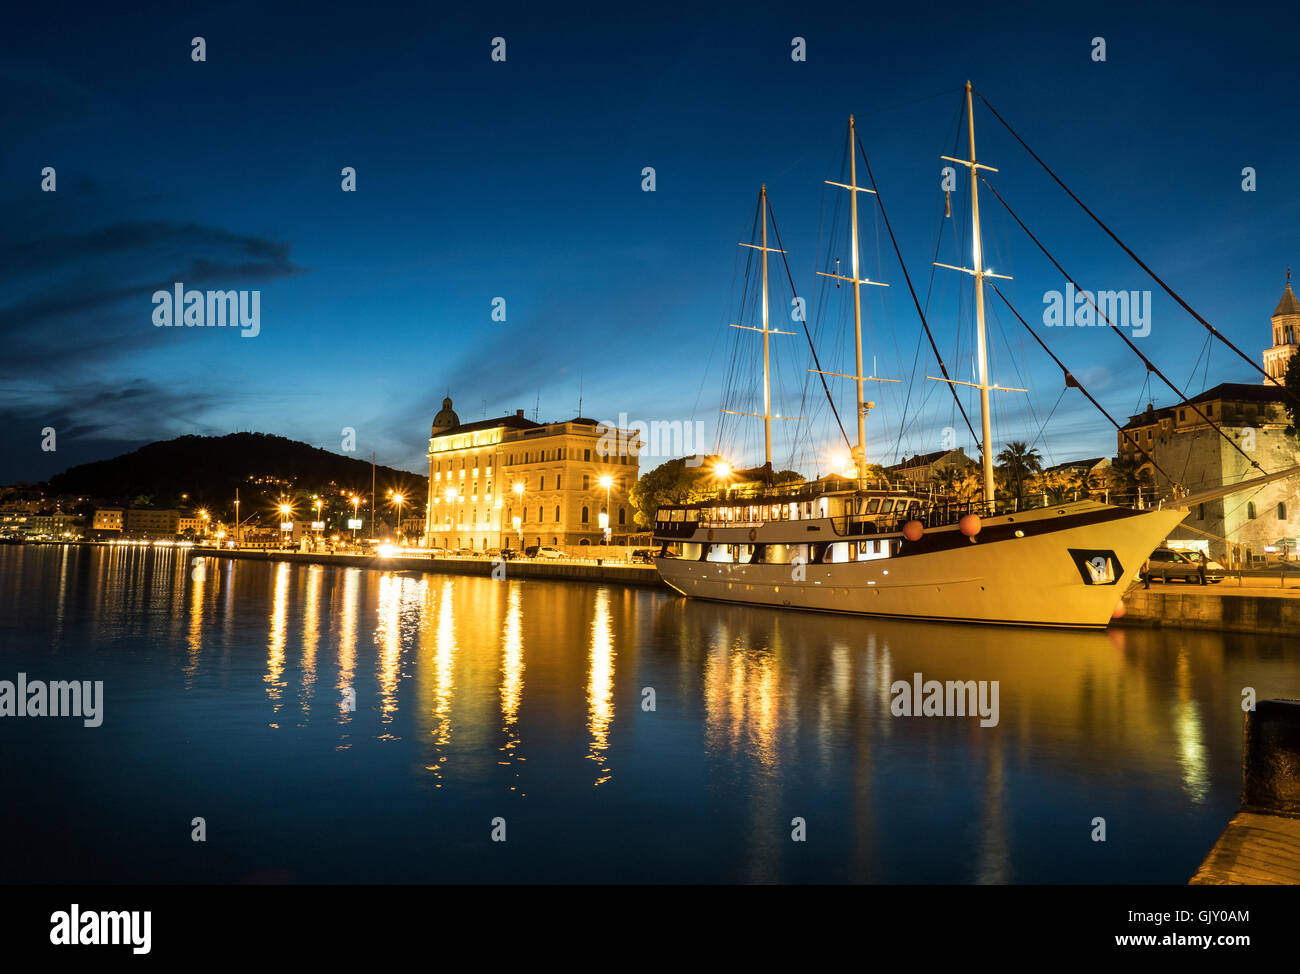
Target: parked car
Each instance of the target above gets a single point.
(644, 555)
(542, 551)
(1167, 564)
(505, 554)
(464, 553)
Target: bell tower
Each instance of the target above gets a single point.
(1286, 331)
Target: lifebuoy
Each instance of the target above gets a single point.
(753, 534)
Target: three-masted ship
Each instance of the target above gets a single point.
(844, 544)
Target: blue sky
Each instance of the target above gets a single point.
(479, 179)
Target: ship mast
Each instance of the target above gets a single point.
(864, 407)
(979, 273)
(766, 331)
(982, 348)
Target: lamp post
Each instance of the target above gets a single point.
(355, 517)
(286, 525)
(203, 516)
(397, 501)
(518, 488)
(607, 482)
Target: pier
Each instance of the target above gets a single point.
(1261, 844)
(1253, 604)
(567, 569)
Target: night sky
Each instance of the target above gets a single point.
(479, 179)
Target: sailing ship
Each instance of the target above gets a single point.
(847, 545)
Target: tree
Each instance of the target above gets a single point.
(1292, 382)
(1019, 461)
(672, 482)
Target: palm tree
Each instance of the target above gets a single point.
(948, 479)
(1019, 461)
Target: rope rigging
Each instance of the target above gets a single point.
(1155, 277)
(1151, 366)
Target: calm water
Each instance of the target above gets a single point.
(478, 699)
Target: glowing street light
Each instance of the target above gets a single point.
(607, 482)
(397, 501)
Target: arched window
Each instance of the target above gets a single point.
(1250, 511)
(622, 516)
(586, 517)
(1281, 511)
(557, 513)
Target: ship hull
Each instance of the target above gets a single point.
(1027, 569)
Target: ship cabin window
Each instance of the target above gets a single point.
(721, 553)
(873, 506)
(886, 505)
(1250, 511)
(871, 550)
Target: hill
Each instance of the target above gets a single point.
(209, 468)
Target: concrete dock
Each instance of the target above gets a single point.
(1252, 605)
(1261, 844)
(580, 570)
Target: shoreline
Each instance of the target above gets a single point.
(1255, 610)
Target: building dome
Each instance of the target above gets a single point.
(446, 418)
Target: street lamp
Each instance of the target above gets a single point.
(286, 524)
(355, 517)
(607, 482)
(397, 500)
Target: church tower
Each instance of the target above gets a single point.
(1286, 329)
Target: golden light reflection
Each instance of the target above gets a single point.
(388, 635)
(194, 640)
(512, 675)
(742, 692)
(1190, 735)
(600, 685)
(348, 648)
(275, 645)
(310, 635)
(444, 677)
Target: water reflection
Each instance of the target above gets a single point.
(512, 676)
(275, 645)
(600, 685)
(762, 716)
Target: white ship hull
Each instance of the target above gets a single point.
(1029, 568)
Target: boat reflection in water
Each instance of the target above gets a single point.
(365, 726)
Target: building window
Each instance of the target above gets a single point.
(1281, 511)
(557, 513)
(557, 481)
(543, 483)
(586, 482)
(622, 516)
(586, 516)
(1200, 512)
(1250, 511)
(586, 456)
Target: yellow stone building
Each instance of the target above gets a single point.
(510, 482)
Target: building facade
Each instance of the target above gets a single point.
(1187, 449)
(921, 469)
(108, 519)
(146, 523)
(511, 482)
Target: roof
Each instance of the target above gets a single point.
(1225, 391)
(1289, 305)
(920, 460)
(510, 421)
(1071, 464)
